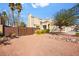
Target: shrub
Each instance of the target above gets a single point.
(77, 34)
(42, 31)
(38, 31)
(47, 31)
(12, 35)
(1, 34)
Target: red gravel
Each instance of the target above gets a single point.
(39, 45)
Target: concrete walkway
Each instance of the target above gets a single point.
(36, 45)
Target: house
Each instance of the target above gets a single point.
(39, 23)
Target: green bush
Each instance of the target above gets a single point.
(38, 32)
(77, 33)
(47, 31)
(42, 31)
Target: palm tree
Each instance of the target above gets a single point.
(12, 7)
(5, 18)
(19, 8)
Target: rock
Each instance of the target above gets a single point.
(74, 40)
(68, 40)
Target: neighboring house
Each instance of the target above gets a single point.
(39, 23)
(1, 25)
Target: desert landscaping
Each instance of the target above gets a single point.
(40, 45)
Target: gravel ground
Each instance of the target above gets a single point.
(40, 45)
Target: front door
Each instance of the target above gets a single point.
(44, 27)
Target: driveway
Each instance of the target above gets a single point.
(39, 45)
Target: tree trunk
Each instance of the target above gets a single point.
(8, 22)
(60, 27)
(12, 18)
(18, 22)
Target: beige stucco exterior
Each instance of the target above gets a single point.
(37, 22)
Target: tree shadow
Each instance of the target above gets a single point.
(5, 41)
